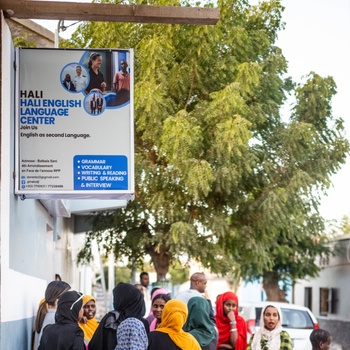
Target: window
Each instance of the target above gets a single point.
(308, 297)
(328, 301)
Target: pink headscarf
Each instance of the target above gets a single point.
(157, 292)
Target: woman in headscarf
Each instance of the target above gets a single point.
(158, 303)
(65, 333)
(155, 291)
(128, 302)
(88, 322)
(232, 327)
(47, 308)
(199, 324)
(170, 335)
(270, 335)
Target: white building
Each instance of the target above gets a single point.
(328, 294)
(38, 238)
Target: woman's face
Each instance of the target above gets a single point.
(229, 305)
(96, 63)
(271, 318)
(157, 308)
(89, 309)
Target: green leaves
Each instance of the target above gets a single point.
(181, 138)
(221, 176)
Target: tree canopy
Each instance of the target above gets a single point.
(222, 176)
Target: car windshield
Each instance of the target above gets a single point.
(292, 318)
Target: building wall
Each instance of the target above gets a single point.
(35, 33)
(334, 275)
(38, 239)
(31, 254)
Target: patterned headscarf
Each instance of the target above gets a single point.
(223, 322)
(273, 337)
(174, 316)
(131, 334)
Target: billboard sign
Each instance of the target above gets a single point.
(74, 123)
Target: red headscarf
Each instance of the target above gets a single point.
(223, 323)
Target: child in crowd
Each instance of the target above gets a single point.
(320, 339)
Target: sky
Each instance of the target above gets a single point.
(316, 38)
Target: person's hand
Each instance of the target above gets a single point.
(83, 320)
(231, 316)
(103, 85)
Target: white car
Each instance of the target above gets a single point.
(298, 321)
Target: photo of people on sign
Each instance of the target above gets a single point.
(74, 125)
(109, 74)
(74, 77)
(80, 80)
(104, 73)
(94, 103)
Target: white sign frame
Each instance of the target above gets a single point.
(74, 135)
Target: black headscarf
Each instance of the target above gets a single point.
(65, 333)
(69, 305)
(128, 301)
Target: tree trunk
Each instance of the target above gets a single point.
(161, 263)
(272, 289)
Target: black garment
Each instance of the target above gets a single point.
(95, 81)
(105, 336)
(128, 301)
(160, 341)
(62, 336)
(69, 85)
(65, 334)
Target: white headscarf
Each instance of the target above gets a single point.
(273, 337)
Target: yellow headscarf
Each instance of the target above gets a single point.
(174, 316)
(90, 326)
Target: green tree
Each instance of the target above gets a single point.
(22, 41)
(221, 177)
(179, 274)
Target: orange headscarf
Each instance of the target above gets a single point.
(90, 326)
(223, 323)
(174, 316)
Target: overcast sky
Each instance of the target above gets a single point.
(316, 38)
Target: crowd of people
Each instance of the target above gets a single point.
(66, 319)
